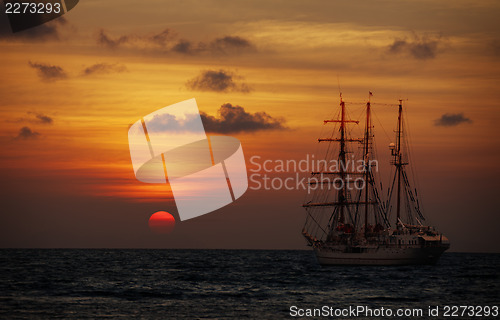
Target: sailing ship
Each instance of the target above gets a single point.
(350, 223)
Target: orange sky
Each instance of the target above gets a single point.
(71, 177)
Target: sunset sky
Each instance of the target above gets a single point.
(71, 88)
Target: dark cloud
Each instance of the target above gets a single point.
(451, 120)
(104, 68)
(232, 119)
(424, 50)
(419, 48)
(47, 31)
(35, 117)
(163, 38)
(48, 72)
(41, 118)
(398, 46)
(224, 45)
(26, 133)
(107, 41)
(168, 41)
(230, 44)
(185, 47)
(218, 81)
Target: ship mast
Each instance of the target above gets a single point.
(342, 215)
(366, 159)
(400, 177)
(398, 163)
(339, 235)
(341, 194)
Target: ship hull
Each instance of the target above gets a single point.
(380, 255)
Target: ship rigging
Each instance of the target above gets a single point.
(354, 225)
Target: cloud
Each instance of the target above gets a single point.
(163, 38)
(185, 47)
(26, 133)
(419, 48)
(230, 44)
(105, 40)
(451, 120)
(41, 118)
(233, 119)
(218, 81)
(224, 45)
(34, 117)
(46, 31)
(48, 72)
(398, 45)
(168, 41)
(104, 68)
(170, 123)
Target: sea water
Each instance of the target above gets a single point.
(231, 284)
